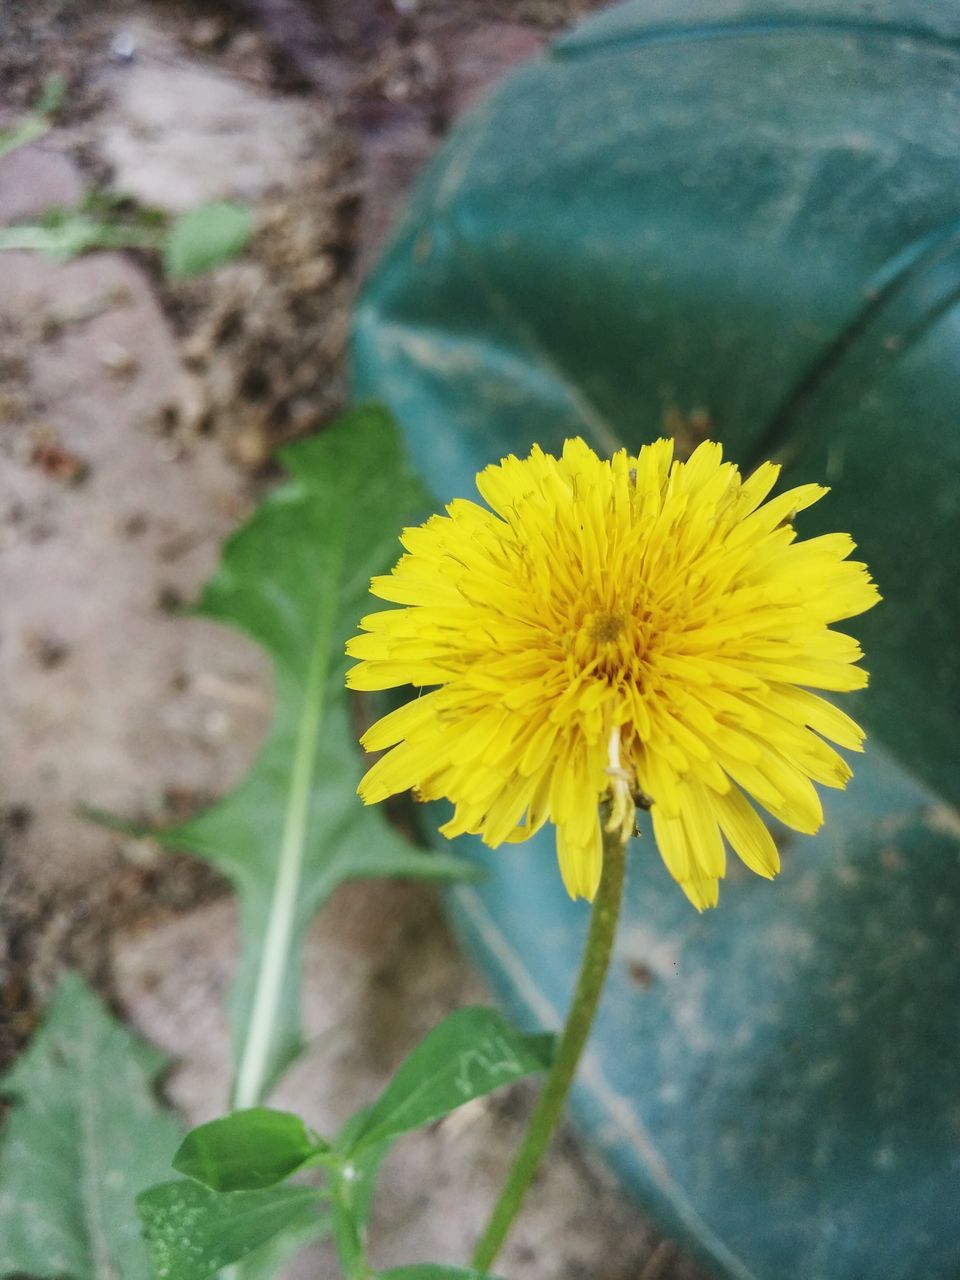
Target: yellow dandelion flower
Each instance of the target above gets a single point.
(633, 631)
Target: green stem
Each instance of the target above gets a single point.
(347, 1234)
(583, 1008)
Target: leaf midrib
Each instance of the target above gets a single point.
(254, 1062)
(92, 1170)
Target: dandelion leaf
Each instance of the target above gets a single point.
(193, 1232)
(295, 579)
(84, 1135)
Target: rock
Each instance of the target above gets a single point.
(107, 725)
(179, 133)
(34, 179)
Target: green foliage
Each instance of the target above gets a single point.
(206, 237)
(37, 122)
(248, 1150)
(84, 1136)
(266, 1262)
(471, 1053)
(195, 241)
(99, 223)
(193, 1232)
(52, 96)
(295, 579)
(353, 1198)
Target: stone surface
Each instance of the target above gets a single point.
(34, 179)
(107, 525)
(178, 132)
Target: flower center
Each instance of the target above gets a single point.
(605, 628)
(604, 642)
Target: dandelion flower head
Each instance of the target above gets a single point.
(608, 633)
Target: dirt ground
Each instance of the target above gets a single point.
(138, 421)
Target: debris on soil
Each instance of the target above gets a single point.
(54, 460)
(47, 650)
(264, 338)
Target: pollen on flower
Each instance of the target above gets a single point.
(606, 630)
(606, 627)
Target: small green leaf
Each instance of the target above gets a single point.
(52, 96)
(247, 1150)
(62, 236)
(433, 1271)
(469, 1054)
(37, 122)
(86, 1134)
(193, 1232)
(29, 129)
(206, 237)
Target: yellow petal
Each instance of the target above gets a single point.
(749, 838)
(581, 861)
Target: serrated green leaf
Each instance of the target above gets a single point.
(295, 579)
(433, 1271)
(247, 1150)
(206, 237)
(471, 1053)
(84, 1136)
(193, 1232)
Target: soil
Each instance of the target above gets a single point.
(139, 422)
